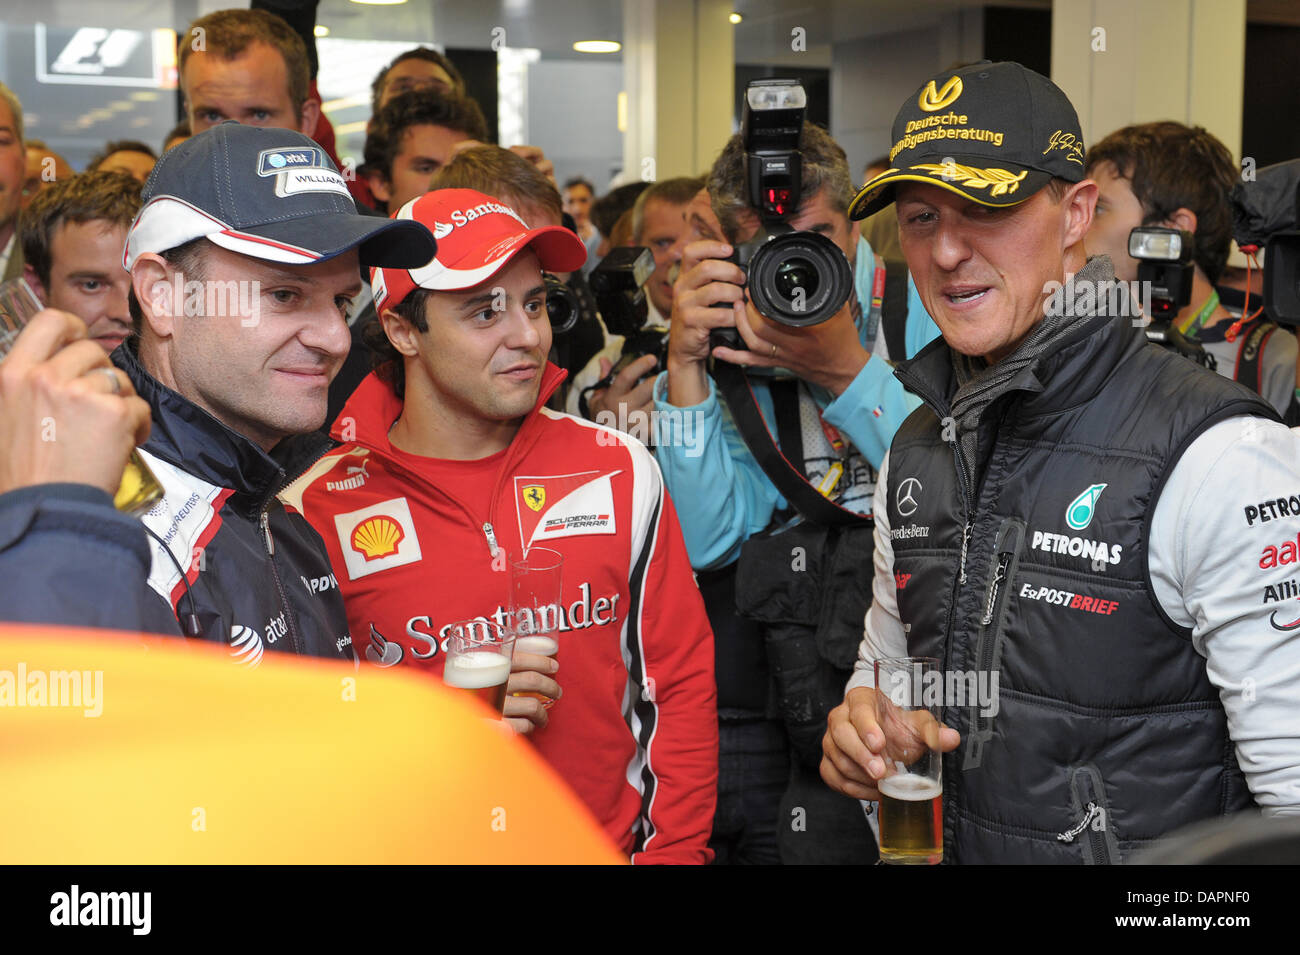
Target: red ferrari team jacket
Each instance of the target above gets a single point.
(635, 731)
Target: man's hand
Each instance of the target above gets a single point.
(66, 413)
(855, 745)
(627, 400)
(706, 279)
(530, 673)
(829, 354)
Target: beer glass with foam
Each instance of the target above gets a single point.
(478, 661)
(909, 700)
(535, 605)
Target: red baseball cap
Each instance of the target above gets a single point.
(477, 237)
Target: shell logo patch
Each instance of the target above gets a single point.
(377, 538)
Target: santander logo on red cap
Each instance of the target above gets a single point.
(475, 234)
(448, 223)
(444, 231)
(465, 216)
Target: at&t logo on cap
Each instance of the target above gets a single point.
(271, 162)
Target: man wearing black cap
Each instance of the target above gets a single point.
(243, 261)
(1074, 517)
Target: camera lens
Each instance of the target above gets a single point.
(799, 279)
(561, 305)
(794, 274)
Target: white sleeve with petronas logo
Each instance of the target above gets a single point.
(1225, 561)
(883, 634)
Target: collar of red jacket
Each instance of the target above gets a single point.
(373, 407)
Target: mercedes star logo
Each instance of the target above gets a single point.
(906, 499)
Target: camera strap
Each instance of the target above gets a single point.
(736, 390)
(894, 309)
(877, 301)
(1250, 355)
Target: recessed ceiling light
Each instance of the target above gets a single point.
(597, 46)
(735, 18)
(321, 30)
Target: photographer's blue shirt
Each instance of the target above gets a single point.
(721, 494)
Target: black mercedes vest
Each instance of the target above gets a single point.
(1102, 731)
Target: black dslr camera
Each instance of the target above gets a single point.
(1165, 267)
(1266, 210)
(794, 278)
(563, 307)
(618, 285)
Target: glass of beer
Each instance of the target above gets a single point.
(535, 605)
(478, 661)
(139, 490)
(911, 791)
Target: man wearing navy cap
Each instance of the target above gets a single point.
(1092, 526)
(243, 261)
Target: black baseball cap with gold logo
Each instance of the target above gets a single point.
(995, 133)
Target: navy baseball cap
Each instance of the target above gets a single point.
(995, 133)
(268, 193)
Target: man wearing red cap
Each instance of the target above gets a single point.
(449, 447)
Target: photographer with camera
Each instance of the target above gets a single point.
(1177, 176)
(658, 224)
(833, 407)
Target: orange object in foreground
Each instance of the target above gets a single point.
(194, 759)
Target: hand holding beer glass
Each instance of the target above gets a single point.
(535, 614)
(80, 406)
(478, 661)
(911, 790)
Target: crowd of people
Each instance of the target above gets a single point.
(982, 471)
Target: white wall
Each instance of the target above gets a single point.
(573, 117)
(871, 77)
(1124, 62)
